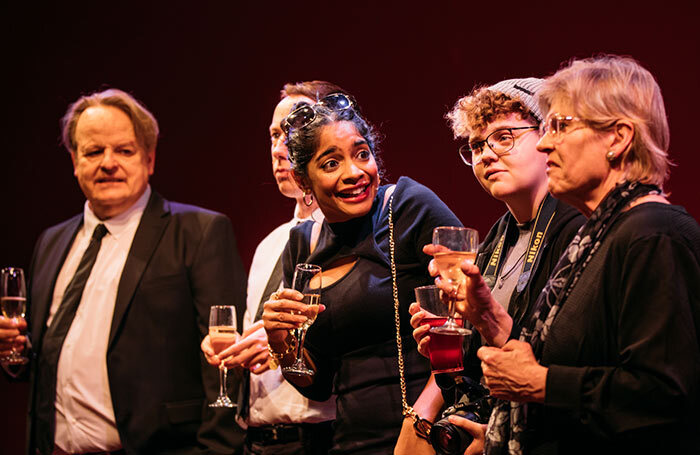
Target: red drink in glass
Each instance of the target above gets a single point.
(445, 350)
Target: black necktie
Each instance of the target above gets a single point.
(74, 292)
(52, 342)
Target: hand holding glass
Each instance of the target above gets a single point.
(222, 332)
(454, 244)
(13, 300)
(307, 280)
(445, 349)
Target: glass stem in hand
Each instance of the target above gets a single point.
(299, 367)
(449, 265)
(223, 376)
(222, 333)
(307, 280)
(451, 327)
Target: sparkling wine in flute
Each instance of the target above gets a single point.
(307, 280)
(222, 336)
(313, 300)
(222, 333)
(454, 245)
(449, 265)
(13, 307)
(13, 298)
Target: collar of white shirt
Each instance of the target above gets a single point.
(316, 215)
(120, 223)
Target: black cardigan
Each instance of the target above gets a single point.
(624, 350)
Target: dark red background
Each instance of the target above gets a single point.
(211, 75)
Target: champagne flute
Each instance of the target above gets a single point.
(222, 332)
(307, 280)
(455, 244)
(13, 300)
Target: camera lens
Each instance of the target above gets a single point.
(449, 439)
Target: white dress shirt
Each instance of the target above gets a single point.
(272, 399)
(84, 413)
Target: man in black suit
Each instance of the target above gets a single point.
(119, 302)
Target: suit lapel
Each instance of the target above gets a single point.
(153, 222)
(44, 279)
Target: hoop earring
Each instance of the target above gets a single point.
(610, 156)
(310, 201)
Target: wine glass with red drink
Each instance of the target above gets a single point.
(446, 355)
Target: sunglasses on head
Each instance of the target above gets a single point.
(305, 115)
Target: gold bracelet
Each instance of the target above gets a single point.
(276, 357)
(421, 426)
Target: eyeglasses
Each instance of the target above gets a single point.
(305, 115)
(558, 124)
(500, 142)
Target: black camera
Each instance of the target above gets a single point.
(474, 404)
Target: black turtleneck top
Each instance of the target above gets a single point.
(353, 342)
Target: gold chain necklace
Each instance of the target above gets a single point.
(421, 426)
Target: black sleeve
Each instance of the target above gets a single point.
(217, 278)
(288, 263)
(417, 211)
(325, 362)
(21, 372)
(656, 378)
(29, 278)
(296, 251)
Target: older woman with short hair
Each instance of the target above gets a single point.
(609, 360)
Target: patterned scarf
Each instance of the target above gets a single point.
(507, 425)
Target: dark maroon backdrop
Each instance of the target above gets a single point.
(211, 75)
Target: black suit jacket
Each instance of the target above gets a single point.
(183, 259)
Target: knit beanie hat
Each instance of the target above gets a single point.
(523, 90)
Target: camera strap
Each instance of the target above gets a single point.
(545, 215)
(421, 426)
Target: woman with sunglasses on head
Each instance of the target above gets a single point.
(352, 345)
(608, 361)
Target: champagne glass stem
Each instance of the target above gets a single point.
(300, 348)
(451, 310)
(13, 352)
(223, 373)
(307, 280)
(451, 306)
